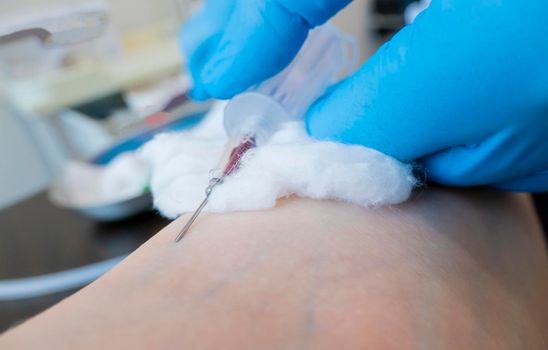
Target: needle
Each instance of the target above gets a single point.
(233, 164)
(213, 183)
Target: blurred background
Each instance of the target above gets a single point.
(74, 97)
(110, 64)
(83, 84)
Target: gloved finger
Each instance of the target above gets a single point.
(196, 63)
(537, 183)
(210, 20)
(489, 162)
(199, 37)
(260, 39)
(413, 97)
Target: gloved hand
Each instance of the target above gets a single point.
(199, 38)
(464, 89)
(244, 42)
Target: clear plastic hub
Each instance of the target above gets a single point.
(325, 58)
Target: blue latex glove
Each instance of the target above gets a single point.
(464, 89)
(244, 42)
(199, 38)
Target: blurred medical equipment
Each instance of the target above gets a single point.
(110, 192)
(114, 184)
(42, 40)
(81, 27)
(82, 76)
(252, 117)
(31, 287)
(112, 62)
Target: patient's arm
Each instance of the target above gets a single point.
(462, 270)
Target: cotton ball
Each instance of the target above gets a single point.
(181, 164)
(176, 196)
(290, 163)
(83, 184)
(319, 170)
(250, 190)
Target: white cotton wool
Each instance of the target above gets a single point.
(87, 185)
(291, 163)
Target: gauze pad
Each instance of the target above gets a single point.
(290, 163)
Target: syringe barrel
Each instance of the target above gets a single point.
(326, 57)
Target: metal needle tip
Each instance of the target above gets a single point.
(214, 182)
(191, 220)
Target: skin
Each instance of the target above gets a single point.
(447, 270)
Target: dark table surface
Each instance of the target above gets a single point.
(38, 238)
(541, 203)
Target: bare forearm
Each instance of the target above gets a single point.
(445, 270)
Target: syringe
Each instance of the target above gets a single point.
(252, 117)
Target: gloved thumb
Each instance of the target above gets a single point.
(402, 100)
(261, 39)
(451, 92)
(199, 37)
